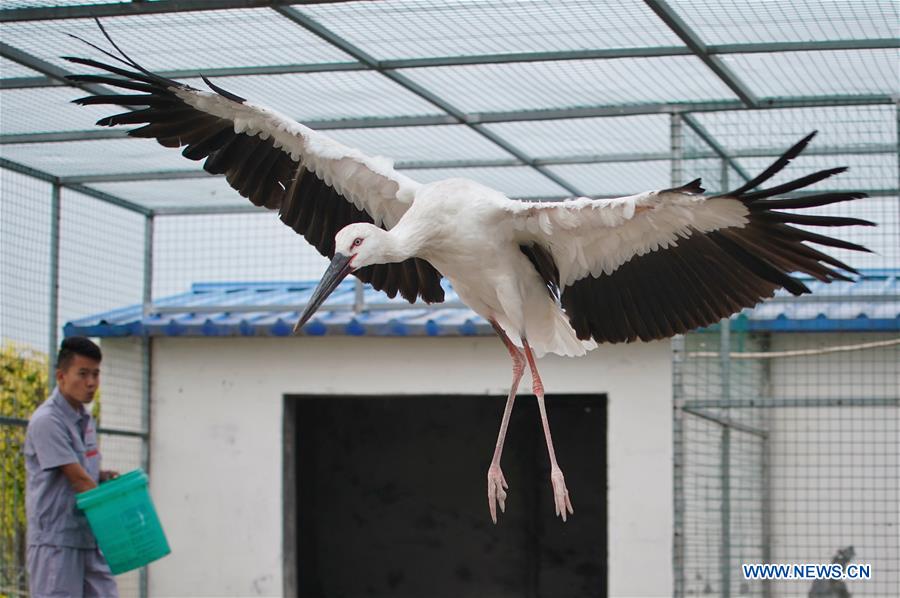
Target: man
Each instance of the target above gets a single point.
(61, 460)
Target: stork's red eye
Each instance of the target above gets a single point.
(357, 242)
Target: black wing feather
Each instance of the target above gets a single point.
(252, 166)
(707, 277)
(543, 262)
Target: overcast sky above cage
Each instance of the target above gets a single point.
(539, 99)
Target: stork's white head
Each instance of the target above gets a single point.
(355, 246)
(364, 244)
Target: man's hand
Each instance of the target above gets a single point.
(106, 476)
(80, 480)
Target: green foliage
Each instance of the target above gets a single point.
(23, 386)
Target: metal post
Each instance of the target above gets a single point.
(147, 303)
(147, 306)
(147, 288)
(725, 558)
(725, 358)
(676, 144)
(52, 337)
(723, 177)
(678, 465)
(725, 465)
(359, 297)
(765, 466)
(725, 375)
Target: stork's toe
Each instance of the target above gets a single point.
(561, 501)
(496, 491)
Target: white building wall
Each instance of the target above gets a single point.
(871, 373)
(120, 409)
(217, 443)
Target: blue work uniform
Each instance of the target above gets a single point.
(63, 558)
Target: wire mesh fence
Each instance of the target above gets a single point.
(785, 459)
(786, 451)
(227, 248)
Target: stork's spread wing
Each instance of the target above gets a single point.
(317, 185)
(657, 264)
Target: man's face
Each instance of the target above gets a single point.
(79, 381)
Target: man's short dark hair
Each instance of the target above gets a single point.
(77, 345)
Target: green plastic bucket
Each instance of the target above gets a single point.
(124, 521)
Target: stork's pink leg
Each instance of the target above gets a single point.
(496, 482)
(561, 500)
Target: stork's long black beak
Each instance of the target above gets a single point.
(336, 272)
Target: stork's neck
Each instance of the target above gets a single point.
(404, 241)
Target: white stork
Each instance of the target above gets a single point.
(550, 277)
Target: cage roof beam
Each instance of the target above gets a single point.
(879, 43)
(716, 152)
(63, 136)
(251, 209)
(501, 117)
(693, 41)
(52, 72)
(339, 42)
(49, 178)
(29, 82)
(477, 59)
(123, 9)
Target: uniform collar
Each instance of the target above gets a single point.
(68, 412)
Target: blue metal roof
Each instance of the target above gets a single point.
(871, 303)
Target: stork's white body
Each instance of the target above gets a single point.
(466, 231)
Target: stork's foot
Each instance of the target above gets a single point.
(561, 501)
(496, 490)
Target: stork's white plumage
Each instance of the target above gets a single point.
(550, 277)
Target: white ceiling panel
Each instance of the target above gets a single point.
(616, 179)
(416, 28)
(572, 84)
(208, 191)
(732, 22)
(180, 40)
(97, 157)
(777, 130)
(39, 110)
(9, 69)
(588, 136)
(514, 181)
(312, 96)
(837, 72)
(412, 144)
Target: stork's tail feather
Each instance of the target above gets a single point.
(551, 332)
(564, 340)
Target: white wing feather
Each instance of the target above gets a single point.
(596, 236)
(370, 183)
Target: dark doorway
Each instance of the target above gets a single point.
(386, 496)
